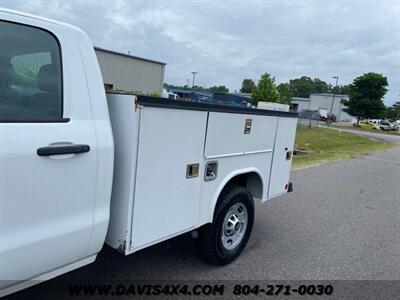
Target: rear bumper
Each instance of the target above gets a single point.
(290, 187)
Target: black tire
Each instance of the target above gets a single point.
(211, 246)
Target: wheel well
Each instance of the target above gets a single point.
(251, 181)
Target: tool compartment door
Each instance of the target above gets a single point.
(239, 134)
(166, 200)
(282, 156)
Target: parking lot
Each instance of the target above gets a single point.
(340, 223)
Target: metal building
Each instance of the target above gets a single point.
(126, 72)
(323, 101)
(299, 104)
(330, 102)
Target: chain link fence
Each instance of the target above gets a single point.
(309, 119)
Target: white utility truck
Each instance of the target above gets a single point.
(167, 94)
(79, 168)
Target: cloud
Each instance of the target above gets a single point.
(120, 14)
(174, 25)
(227, 41)
(55, 9)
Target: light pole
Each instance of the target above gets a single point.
(334, 93)
(194, 75)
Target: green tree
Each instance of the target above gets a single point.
(320, 86)
(171, 86)
(285, 93)
(198, 88)
(304, 86)
(394, 111)
(218, 89)
(248, 86)
(301, 87)
(340, 89)
(265, 90)
(365, 97)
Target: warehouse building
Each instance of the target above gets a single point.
(323, 101)
(127, 72)
(299, 104)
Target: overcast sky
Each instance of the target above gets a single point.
(226, 41)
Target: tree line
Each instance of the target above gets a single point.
(212, 89)
(266, 88)
(365, 93)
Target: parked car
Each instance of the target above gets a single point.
(329, 117)
(394, 126)
(326, 116)
(385, 125)
(374, 121)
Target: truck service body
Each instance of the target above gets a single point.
(80, 168)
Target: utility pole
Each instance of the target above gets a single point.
(334, 92)
(194, 75)
(187, 82)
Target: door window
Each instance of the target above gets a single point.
(30, 74)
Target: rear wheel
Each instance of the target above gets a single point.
(224, 240)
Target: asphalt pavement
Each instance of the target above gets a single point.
(342, 222)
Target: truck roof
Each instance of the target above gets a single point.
(35, 17)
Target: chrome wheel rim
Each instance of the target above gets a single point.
(234, 226)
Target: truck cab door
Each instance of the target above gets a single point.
(48, 155)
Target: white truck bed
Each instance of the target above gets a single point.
(157, 140)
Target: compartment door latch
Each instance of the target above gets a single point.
(288, 154)
(211, 171)
(192, 170)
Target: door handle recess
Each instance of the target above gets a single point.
(60, 150)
